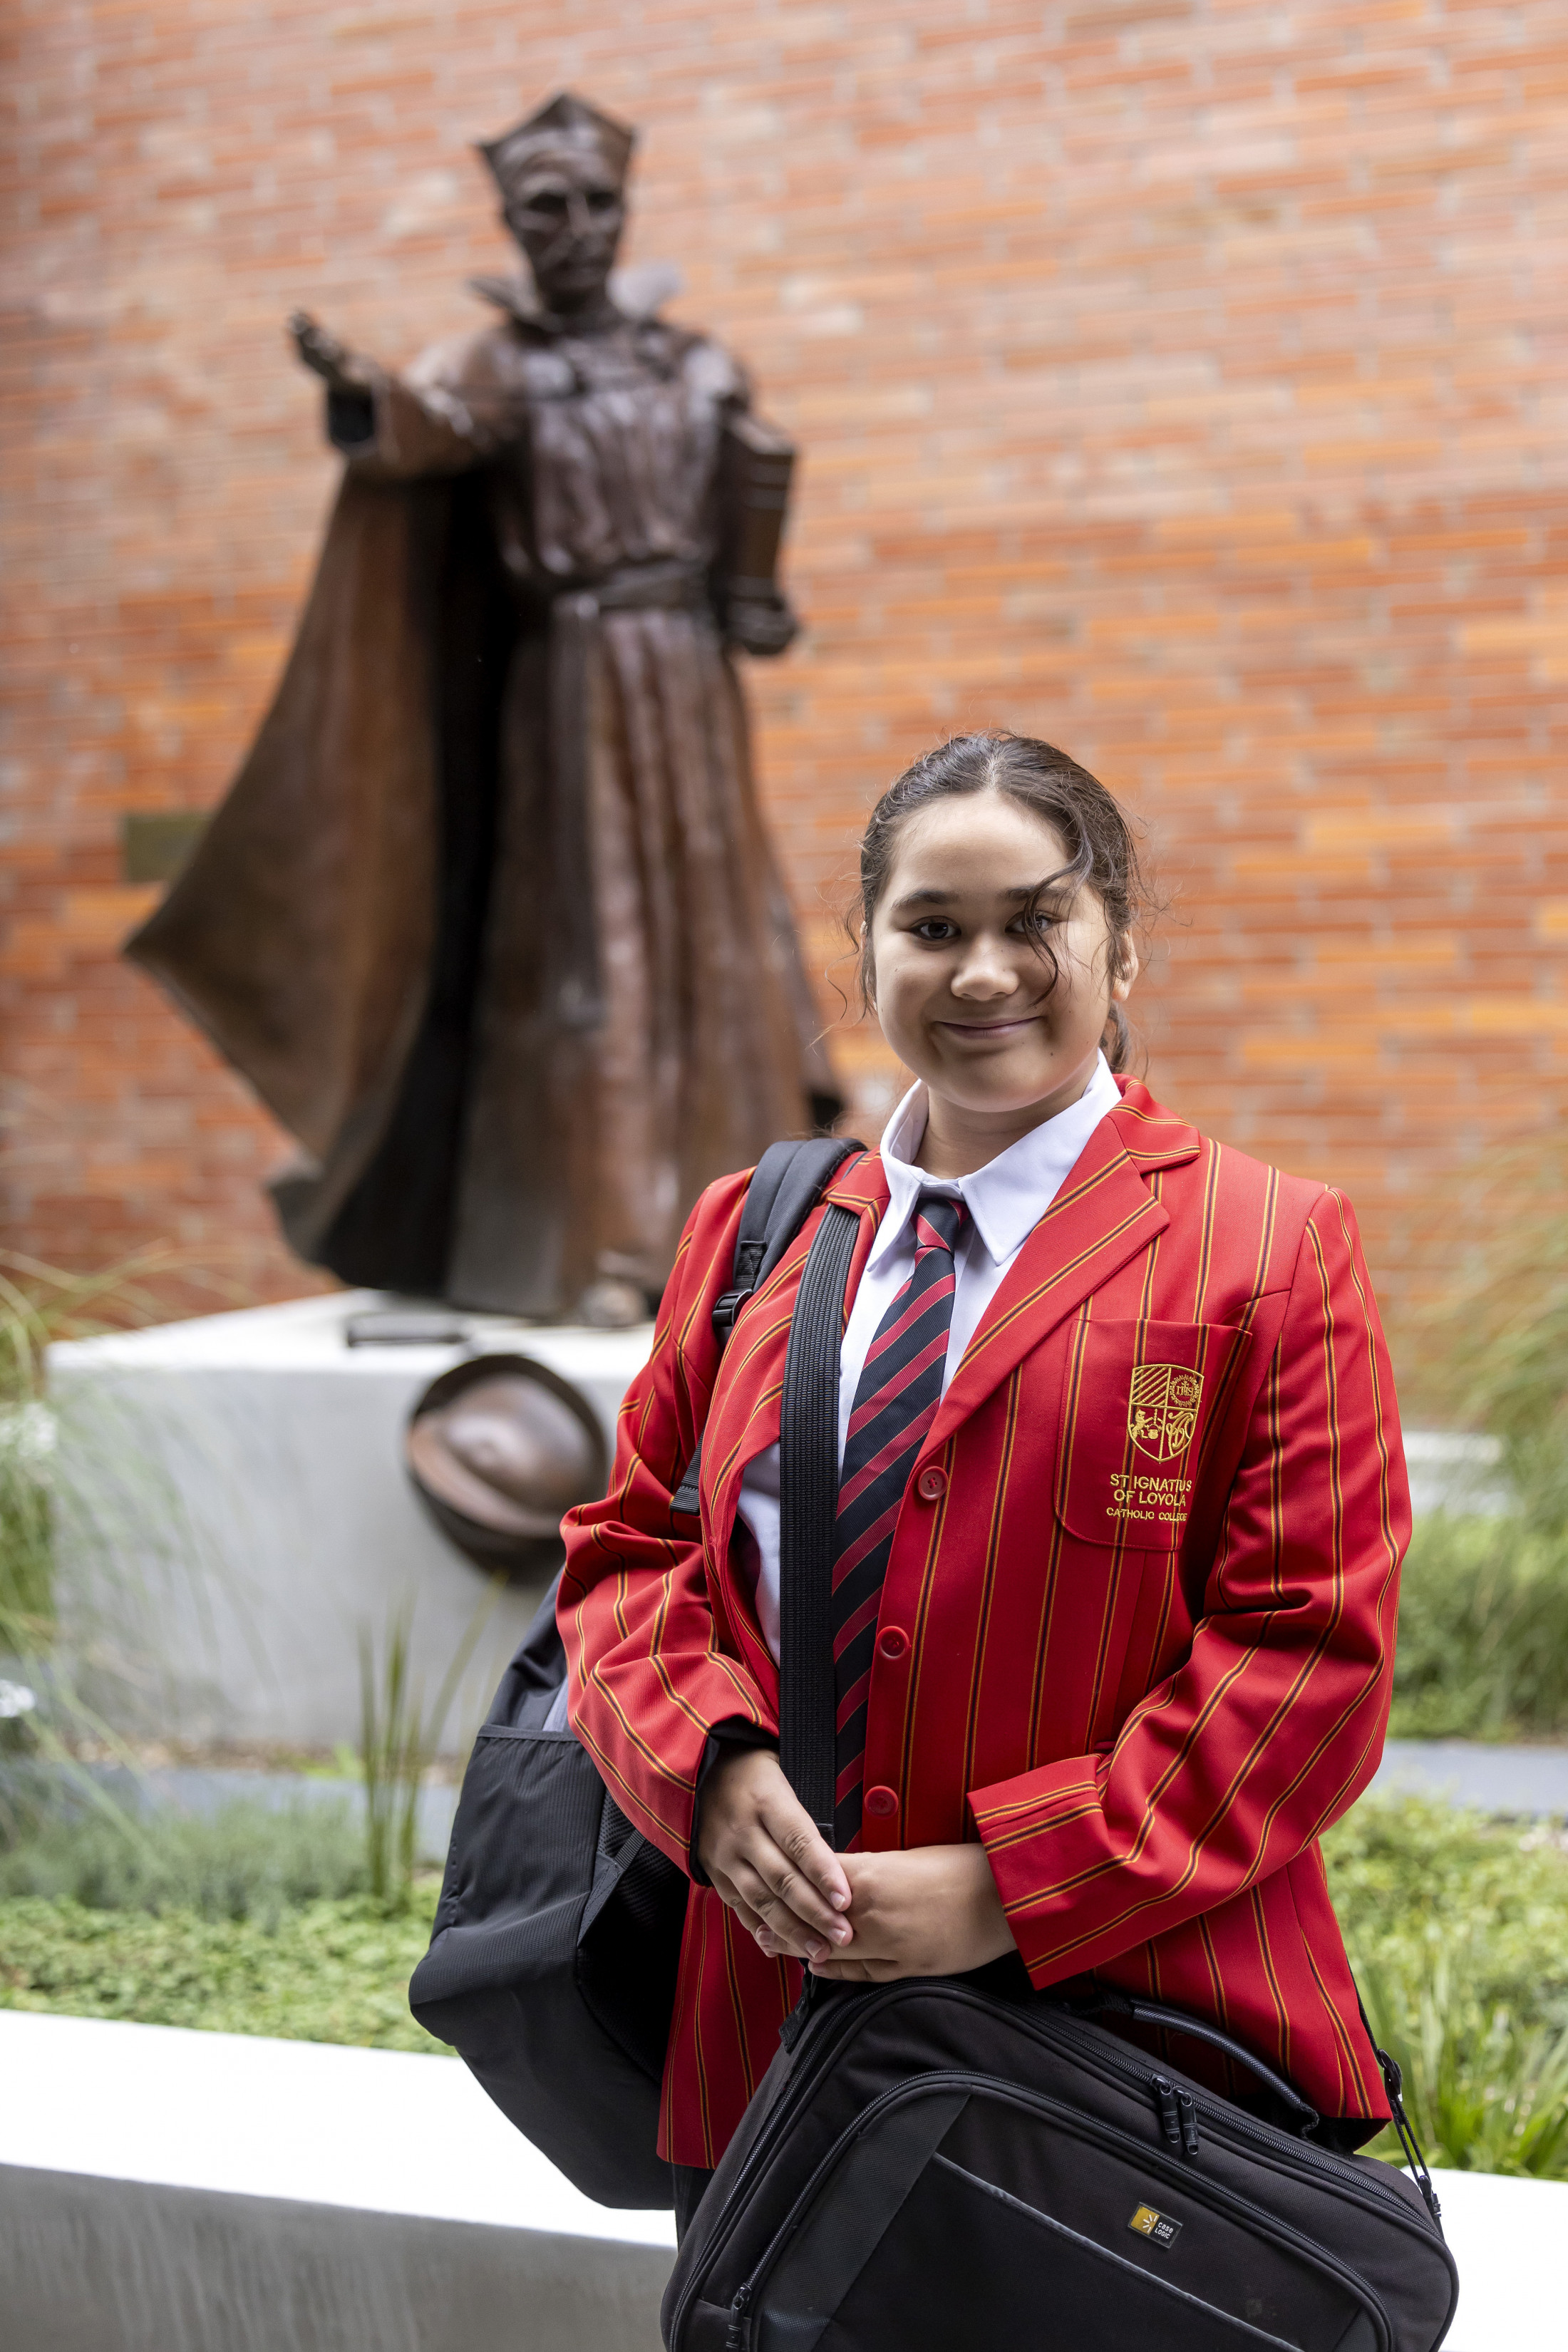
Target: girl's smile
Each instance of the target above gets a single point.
(1007, 1026)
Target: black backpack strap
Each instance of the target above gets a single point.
(784, 1188)
(808, 1489)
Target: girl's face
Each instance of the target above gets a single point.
(965, 998)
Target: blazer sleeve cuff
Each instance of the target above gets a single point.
(652, 1748)
(722, 1741)
(1044, 1837)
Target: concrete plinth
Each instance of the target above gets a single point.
(234, 1510)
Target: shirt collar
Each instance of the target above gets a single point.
(1007, 1197)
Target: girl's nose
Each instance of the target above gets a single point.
(986, 970)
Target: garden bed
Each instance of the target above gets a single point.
(254, 1923)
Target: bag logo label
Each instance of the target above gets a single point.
(1157, 2226)
(1163, 1409)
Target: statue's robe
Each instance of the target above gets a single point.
(489, 919)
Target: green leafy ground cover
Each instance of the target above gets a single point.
(329, 1971)
(250, 1922)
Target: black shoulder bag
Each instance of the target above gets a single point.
(954, 2162)
(552, 1959)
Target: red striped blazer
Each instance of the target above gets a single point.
(1147, 1570)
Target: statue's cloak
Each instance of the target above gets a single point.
(489, 919)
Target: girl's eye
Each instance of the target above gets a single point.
(1040, 920)
(934, 931)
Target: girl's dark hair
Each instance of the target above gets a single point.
(1101, 850)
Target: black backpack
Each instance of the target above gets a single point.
(552, 1959)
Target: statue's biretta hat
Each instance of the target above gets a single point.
(566, 121)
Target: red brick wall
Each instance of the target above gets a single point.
(1187, 383)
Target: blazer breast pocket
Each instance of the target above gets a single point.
(1138, 1405)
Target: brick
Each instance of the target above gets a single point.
(1177, 381)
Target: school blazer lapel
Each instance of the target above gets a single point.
(1103, 1216)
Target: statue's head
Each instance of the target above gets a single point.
(562, 177)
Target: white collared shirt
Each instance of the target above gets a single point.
(1005, 1200)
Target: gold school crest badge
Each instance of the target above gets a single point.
(1162, 1408)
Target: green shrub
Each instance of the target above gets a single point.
(26, 1578)
(1483, 1633)
(38, 1305)
(1492, 1352)
(1484, 2092)
(399, 1741)
(1457, 1930)
(330, 1971)
(124, 1523)
(243, 1862)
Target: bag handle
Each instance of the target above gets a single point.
(1305, 2119)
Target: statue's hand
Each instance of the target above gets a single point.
(761, 625)
(336, 365)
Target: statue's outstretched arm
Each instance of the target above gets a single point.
(383, 425)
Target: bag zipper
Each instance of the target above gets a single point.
(1178, 2116)
(1236, 2120)
(1183, 2138)
(737, 2335)
(834, 2025)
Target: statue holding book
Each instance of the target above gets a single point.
(490, 917)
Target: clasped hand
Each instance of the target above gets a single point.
(931, 1911)
(760, 626)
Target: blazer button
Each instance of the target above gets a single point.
(932, 1484)
(894, 1642)
(881, 1804)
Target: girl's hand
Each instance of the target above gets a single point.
(931, 1911)
(763, 1852)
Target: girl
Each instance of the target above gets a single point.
(1122, 1509)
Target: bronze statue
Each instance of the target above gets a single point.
(488, 918)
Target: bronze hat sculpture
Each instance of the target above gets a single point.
(490, 917)
(498, 1449)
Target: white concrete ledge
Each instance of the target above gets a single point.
(97, 2265)
(169, 2191)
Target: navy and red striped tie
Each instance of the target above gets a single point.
(895, 1404)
